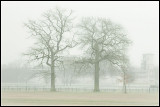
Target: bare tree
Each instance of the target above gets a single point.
(67, 71)
(123, 65)
(127, 77)
(53, 36)
(126, 74)
(103, 40)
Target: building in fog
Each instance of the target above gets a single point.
(148, 73)
(147, 62)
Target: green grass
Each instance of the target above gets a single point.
(78, 98)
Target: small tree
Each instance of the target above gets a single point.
(127, 76)
(103, 40)
(50, 34)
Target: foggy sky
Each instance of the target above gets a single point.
(139, 19)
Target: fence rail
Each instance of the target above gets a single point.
(75, 88)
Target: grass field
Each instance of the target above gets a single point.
(78, 98)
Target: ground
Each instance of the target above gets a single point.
(78, 98)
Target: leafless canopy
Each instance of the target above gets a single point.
(51, 34)
(103, 40)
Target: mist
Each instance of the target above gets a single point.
(121, 56)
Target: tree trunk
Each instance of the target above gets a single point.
(124, 83)
(96, 74)
(125, 89)
(96, 77)
(52, 74)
